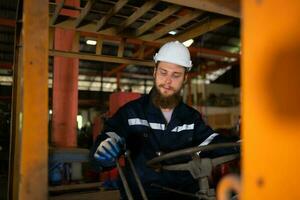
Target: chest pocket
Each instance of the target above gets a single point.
(179, 137)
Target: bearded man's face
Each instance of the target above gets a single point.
(169, 79)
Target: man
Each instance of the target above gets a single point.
(153, 124)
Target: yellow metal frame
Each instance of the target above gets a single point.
(270, 99)
(29, 154)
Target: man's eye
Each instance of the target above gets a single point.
(176, 75)
(163, 72)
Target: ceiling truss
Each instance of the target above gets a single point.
(140, 29)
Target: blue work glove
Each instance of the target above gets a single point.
(108, 151)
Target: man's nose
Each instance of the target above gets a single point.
(168, 80)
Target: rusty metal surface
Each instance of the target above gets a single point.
(30, 121)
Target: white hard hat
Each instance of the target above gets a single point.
(174, 52)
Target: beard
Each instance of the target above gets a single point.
(165, 102)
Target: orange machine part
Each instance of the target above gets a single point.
(118, 99)
(270, 99)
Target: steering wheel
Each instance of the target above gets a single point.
(200, 168)
(189, 151)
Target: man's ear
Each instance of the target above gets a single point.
(154, 71)
(185, 77)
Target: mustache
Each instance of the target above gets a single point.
(163, 85)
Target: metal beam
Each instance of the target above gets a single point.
(58, 8)
(158, 18)
(110, 13)
(124, 65)
(5, 65)
(90, 32)
(51, 37)
(124, 75)
(228, 7)
(177, 23)
(102, 58)
(141, 52)
(7, 22)
(99, 45)
(195, 51)
(132, 18)
(121, 48)
(138, 13)
(31, 175)
(198, 30)
(84, 12)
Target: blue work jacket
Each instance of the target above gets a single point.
(147, 134)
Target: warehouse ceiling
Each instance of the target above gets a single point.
(128, 32)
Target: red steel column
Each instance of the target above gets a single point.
(65, 90)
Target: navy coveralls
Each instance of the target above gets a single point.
(147, 133)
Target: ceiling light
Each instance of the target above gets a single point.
(225, 59)
(174, 32)
(212, 76)
(91, 42)
(233, 59)
(188, 42)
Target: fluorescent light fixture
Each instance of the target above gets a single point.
(207, 82)
(174, 32)
(188, 42)
(233, 59)
(225, 59)
(212, 76)
(79, 121)
(91, 42)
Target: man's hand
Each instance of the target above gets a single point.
(108, 151)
